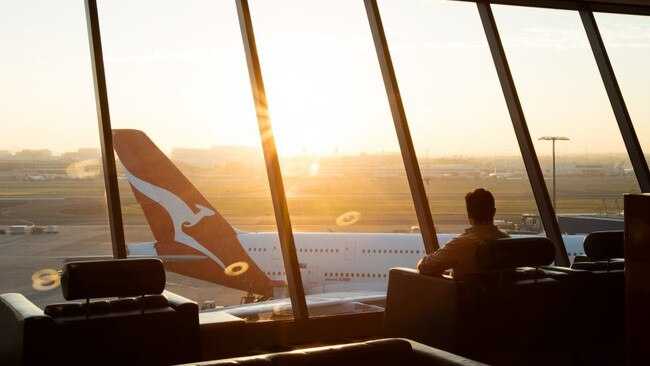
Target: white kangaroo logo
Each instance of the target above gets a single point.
(181, 214)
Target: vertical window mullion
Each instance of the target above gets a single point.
(540, 191)
(105, 131)
(290, 258)
(418, 193)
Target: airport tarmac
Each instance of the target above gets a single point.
(23, 256)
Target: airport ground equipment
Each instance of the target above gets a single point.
(382, 352)
(507, 314)
(130, 319)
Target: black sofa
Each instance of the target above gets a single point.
(382, 352)
(141, 325)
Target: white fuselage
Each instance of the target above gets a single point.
(342, 262)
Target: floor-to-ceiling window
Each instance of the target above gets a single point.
(627, 39)
(567, 109)
(346, 188)
(457, 114)
(52, 197)
(192, 177)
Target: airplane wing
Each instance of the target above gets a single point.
(318, 304)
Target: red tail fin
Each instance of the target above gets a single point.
(182, 220)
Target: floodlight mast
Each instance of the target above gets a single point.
(554, 138)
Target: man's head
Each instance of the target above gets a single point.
(480, 207)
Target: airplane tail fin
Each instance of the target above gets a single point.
(182, 220)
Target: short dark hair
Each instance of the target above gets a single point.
(480, 205)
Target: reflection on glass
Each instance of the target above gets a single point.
(191, 171)
(627, 39)
(562, 95)
(458, 117)
(346, 187)
(52, 200)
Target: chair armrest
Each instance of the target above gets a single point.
(176, 300)
(25, 331)
(421, 307)
(189, 345)
(425, 355)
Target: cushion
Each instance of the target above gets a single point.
(510, 253)
(603, 245)
(65, 310)
(112, 278)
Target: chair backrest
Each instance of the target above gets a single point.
(508, 254)
(603, 245)
(113, 278)
(604, 250)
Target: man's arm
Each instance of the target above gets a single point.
(441, 260)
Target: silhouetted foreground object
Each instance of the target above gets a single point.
(382, 352)
(506, 314)
(597, 283)
(145, 325)
(637, 267)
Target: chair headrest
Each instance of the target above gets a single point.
(112, 278)
(515, 252)
(602, 245)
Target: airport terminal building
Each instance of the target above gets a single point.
(274, 170)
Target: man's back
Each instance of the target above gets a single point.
(460, 253)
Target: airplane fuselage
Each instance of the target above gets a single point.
(339, 262)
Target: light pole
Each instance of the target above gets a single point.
(553, 138)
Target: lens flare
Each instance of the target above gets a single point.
(348, 218)
(236, 269)
(46, 279)
(83, 169)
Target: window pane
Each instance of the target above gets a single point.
(177, 74)
(348, 196)
(457, 114)
(562, 95)
(627, 39)
(52, 199)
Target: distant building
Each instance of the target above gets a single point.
(34, 154)
(5, 154)
(82, 154)
(219, 155)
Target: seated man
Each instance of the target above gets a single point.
(459, 254)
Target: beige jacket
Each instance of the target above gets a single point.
(459, 253)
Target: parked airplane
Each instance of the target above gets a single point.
(193, 239)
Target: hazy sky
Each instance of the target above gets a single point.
(178, 72)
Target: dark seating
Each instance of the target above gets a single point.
(141, 325)
(383, 352)
(506, 314)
